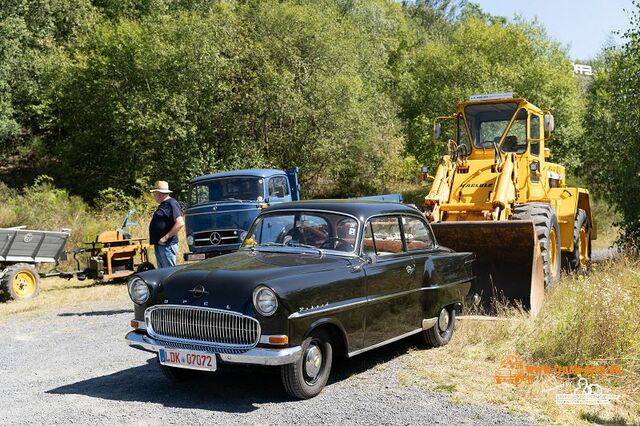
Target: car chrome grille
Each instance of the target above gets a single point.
(205, 327)
(225, 236)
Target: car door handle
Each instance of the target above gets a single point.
(410, 269)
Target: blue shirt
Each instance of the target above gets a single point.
(163, 220)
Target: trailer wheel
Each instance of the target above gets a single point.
(579, 260)
(20, 281)
(548, 233)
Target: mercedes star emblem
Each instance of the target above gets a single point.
(198, 291)
(215, 238)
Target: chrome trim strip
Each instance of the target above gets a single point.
(212, 212)
(429, 323)
(341, 307)
(215, 230)
(335, 307)
(377, 345)
(258, 356)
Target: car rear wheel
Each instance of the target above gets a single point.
(307, 377)
(440, 334)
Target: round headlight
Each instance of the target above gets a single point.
(138, 290)
(265, 301)
(190, 240)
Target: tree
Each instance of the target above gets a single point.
(610, 152)
(485, 55)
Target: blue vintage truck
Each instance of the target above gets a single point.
(221, 206)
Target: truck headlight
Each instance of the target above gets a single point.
(190, 240)
(265, 301)
(138, 290)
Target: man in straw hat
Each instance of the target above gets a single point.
(165, 224)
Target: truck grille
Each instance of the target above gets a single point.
(209, 238)
(205, 327)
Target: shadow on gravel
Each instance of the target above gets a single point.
(95, 313)
(233, 389)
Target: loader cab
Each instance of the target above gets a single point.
(511, 125)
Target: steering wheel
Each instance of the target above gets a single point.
(336, 243)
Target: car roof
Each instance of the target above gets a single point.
(361, 209)
(245, 172)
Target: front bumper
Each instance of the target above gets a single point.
(257, 356)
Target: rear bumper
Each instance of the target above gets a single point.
(256, 356)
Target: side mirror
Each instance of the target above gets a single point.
(437, 130)
(549, 123)
(547, 153)
(425, 170)
(370, 258)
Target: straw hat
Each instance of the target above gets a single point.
(161, 186)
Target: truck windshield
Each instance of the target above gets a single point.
(488, 122)
(227, 189)
(317, 230)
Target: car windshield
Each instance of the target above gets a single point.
(488, 122)
(304, 229)
(227, 189)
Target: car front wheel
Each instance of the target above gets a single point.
(307, 377)
(440, 334)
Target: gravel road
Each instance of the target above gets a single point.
(73, 367)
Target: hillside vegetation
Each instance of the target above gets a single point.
(111, 95)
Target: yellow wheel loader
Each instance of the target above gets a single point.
(496, 194)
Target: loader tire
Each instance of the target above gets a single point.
(579, 260)
(20, 281)
(548, 233)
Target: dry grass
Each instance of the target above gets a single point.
(57, 294)
(590, 321)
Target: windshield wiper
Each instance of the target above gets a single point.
(297, 244)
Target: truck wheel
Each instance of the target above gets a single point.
(440, 334)
(21, 281)
(548, 233)
(307, 377)
(579, 260)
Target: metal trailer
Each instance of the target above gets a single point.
(21, 251)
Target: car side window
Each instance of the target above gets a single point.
(278, 187)
(386, 237)
(417, 234)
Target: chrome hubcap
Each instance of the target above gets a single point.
(443, 320)
(312, 361)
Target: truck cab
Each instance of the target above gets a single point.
(222, 206)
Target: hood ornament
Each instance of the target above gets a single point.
(198, 291)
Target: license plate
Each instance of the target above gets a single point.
(187, 359)
(197, 256)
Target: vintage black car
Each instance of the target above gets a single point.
(313, 280)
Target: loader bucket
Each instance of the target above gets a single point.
(508, 263)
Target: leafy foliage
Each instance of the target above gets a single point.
(487, 55)
(116, 94)
(612, 164)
